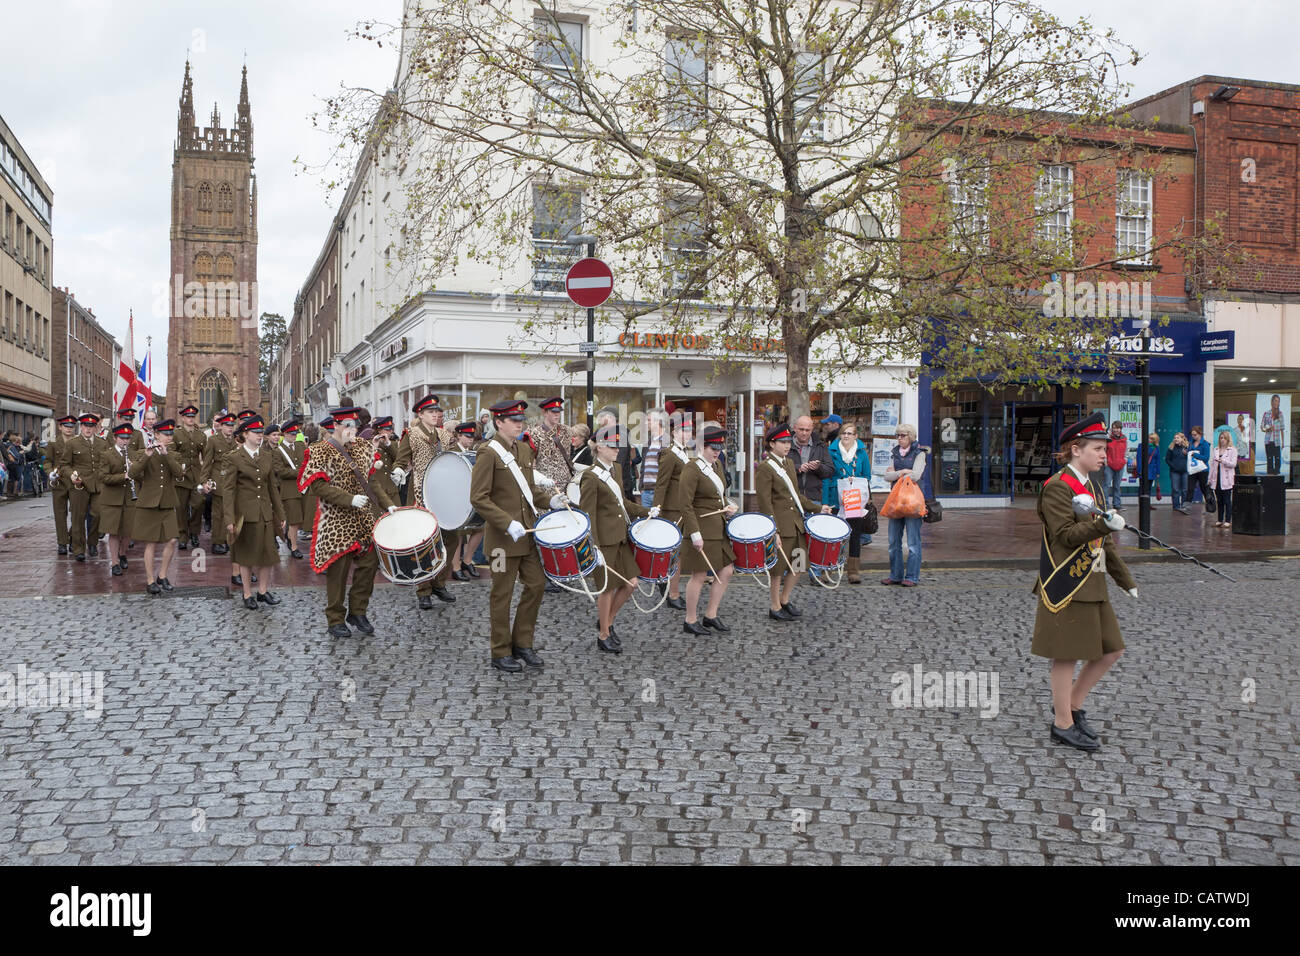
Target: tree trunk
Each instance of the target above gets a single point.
(796, 373)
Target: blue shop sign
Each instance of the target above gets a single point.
(1218, 345)
(1181, 338)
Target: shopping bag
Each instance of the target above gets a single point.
(1159, 496)
(853, 493)
(906, 500)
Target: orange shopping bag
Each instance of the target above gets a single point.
(906, 500)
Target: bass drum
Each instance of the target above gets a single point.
(446, 490)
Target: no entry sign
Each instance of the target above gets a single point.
(589, 282)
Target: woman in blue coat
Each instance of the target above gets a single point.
(850, 459)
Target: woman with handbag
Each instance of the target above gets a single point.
(908, 461)
(1223, 476)
(850, 459)
(1176, 459)
(1198, 468)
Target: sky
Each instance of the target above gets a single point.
(91, 88)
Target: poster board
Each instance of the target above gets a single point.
(1127, 410)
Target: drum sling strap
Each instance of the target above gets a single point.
(365, 485)
(705, 467)
(785, 476)
(1058, 583)
(520, 480)
(604, 475)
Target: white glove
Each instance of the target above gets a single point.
(516, 530)
(360, 501)
(392, 508)
(600, 558)
(1132, 592)
(399, 476)
(1114, 520)
(697, 540)
(546, 481)
(558, 501)
(654, 511)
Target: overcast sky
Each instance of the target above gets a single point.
(91, 87)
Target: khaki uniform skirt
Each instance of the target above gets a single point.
(293, 511)
(256, 545)
(115, 519)
(153, 524)
(719, 552)
(790, 544)
(619, 557)
(1080, 631)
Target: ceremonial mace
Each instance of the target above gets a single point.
(1087, 505)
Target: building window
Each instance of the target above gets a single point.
(225, 206)
(968, 192)
(557, 216)
(809, 86)
(558, 53)
(684, 247)
(214, 393)
(1054, 203)
(204, 208)
(686, 73)
(1133, 218)
(203, 268)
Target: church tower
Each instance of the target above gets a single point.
(212, 355)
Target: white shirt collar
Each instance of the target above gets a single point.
(1083, 479)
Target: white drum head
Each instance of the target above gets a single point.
(446, 489)
(561, 527)
(751, 526)
(827, 527)
(404, 529)
(658, 534)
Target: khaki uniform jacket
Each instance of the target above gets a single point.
(82, 456)
(1067, 531)
(155, 478)
(215, 450)
(495, 495)
(250, 489)
(137, 441)
(699, 497)
(53, 453)
(668, 483)
(286, 469)
(608, 526)
(113, 488)
(187, 445)
(774, 497)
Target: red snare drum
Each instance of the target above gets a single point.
(753, 540)
(655, 544)
(826, 537)
(564, 543)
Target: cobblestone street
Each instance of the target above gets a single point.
(233, 736)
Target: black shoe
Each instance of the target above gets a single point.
(116, 571)
(121, 562)
(677, 604)
(219, 549)
(295, 553)
(182, 545)
(662, 587)
(716, 624)
(166, 585)
(194, 541)
(553, 588)
(459, 575)
(63, 549)
(426, 603)
(529, 656)
(792, 610)
(81, 557)
(361, 623)
(1080, 722)
(1074, 737)
(507, 664)
(336, 630)
(781, 615)
(270, 598)
(473, 571)
(237, 580)
(250, 603)
(692, 627)
(609, 646)
(94, 550)
(442, 594)
(153, 588)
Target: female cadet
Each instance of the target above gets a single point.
(467, 443)
(704, 503)
(154, 472)
(777, 485)
(1075, 620)
(253, 510)
(673, 461)
(601, 493)
(287, 455)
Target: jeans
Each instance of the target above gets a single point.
(647, 497)
(1273, 458)
(1225, 503)
(1114, 478)
(1178, 487)
(913, 528)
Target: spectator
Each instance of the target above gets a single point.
(485, 424)
(811, 457)
(578, 435)
(15, 463)
(1116, 464)
(35, 472)
(1198, 454)
(908, 459)
(1152, 450)
(831, 426)
(1223, 475)
(650, 456)
(1176, 459)
(849, 459)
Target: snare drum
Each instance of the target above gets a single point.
(826, 537)
(564, 542)
(655, 545)
(409, 545)
(446, 490)
(753, 539)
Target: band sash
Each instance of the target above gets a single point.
(1058, 583)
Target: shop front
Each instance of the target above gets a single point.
(994, 443)
(1257, 407)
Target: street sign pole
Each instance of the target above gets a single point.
(1144, 479)
(591, 359)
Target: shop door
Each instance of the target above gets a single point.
(737, 450)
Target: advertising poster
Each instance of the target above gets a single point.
(882, 456)
(1241, 426)
(1127, 410)
(884, 415)
(1272, 433)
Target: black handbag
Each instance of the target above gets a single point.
(871, 517)
(933, 511)
(1211, 503)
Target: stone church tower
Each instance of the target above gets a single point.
(212, 355)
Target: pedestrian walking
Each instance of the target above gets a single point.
(1223, 476)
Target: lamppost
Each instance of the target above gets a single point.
(1144, 480)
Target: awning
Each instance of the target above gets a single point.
(26, 408)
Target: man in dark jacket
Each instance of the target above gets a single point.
(812, 459)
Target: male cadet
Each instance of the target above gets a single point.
(384, 441)
(126, 416)
(288, 455)
(502, 491)
(188, 441)
(211, 473)
(80, 466)
(418, 448)
(59, 486)
(550, 441)
(116, 494)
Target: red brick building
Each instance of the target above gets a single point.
(82, 367)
